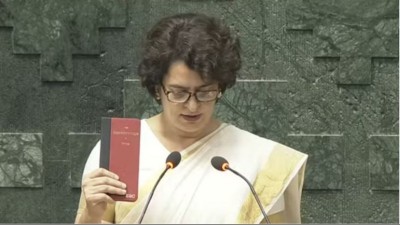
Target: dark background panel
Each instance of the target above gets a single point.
(319, 76)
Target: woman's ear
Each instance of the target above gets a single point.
(157, 93)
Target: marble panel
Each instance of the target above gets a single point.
(21, 160)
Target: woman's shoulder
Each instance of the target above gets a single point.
(240, 136)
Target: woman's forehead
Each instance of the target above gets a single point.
(180, 75)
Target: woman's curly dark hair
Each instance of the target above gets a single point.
(204, 43)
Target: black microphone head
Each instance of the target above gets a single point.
(173, 159)
(219, 163)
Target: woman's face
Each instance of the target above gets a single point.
(191, 117)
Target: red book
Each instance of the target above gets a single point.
(119, 153)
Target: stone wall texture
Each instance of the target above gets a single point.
(318, 75)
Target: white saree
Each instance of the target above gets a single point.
(195, 192)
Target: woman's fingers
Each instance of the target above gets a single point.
(101, 172)
(106, 189)
(96, 187)
(99, 183)
(103, 181)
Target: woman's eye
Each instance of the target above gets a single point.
(180, 93)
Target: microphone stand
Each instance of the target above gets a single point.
(254, 193)
(151, 194)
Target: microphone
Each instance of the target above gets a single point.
(173, 160)
(222, 164)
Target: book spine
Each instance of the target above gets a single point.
(105, 142)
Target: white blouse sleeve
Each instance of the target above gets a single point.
(93, 161)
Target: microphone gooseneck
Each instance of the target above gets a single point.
(222, 164)
(172, 161)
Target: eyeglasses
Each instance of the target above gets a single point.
(184, 96)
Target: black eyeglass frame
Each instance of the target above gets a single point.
(166, 92)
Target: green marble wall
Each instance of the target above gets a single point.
(320, 76)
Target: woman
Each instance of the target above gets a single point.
(189, 61)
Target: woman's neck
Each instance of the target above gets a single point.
(175, 139)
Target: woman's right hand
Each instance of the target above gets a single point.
(95, 187)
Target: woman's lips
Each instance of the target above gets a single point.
(191, 118)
